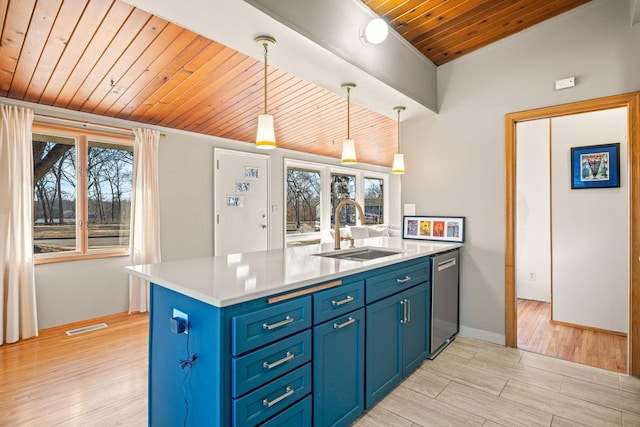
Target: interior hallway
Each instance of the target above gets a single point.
(537, 334)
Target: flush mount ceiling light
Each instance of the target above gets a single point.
(398, 159)
(266, 138)
(348, 145)
(375, 32)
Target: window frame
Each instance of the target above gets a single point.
(82, 136)
(326, 170)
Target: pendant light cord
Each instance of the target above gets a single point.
(348, 112)
(399, 131)
(265, 76)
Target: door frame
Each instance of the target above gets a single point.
(632, 102)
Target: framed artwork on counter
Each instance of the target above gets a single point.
(437, 228)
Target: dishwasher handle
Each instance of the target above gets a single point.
(451, 262)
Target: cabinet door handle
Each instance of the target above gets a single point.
(289, 391)
(408, 305)
(405, 280)
(404, 311)
(348, 299)
(342, 325)
(272, 365)
(286, 321)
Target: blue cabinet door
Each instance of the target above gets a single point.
(415, 340)
(384, 347)
(338, 380)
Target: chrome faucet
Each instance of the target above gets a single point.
(336, 217)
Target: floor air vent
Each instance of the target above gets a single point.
(86, 329)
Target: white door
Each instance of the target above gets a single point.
(241, 200)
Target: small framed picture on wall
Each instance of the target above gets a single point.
(595, 166)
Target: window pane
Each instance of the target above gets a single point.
(109, 175)
(303, 201)
(374, 200)
(343, 187)
(54, 193)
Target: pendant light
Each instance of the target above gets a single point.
(266, 138)
(398, 159)
(348, 145)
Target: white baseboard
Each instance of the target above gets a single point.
(491, 337)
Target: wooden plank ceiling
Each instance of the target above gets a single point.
(106, 57)
(444, 30)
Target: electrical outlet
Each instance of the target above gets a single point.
(532, 276)
(181, 315)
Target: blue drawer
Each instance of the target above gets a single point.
(261, 366)
(299, 415)
(337, 301)
(397, 280)
(272, 398)
(261, 327)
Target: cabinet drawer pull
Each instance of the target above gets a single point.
(289, 391)
(405, 280)
(348, 299)
(286, 358)
(286, 321)
(342, 325)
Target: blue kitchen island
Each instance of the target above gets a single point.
(285, 337)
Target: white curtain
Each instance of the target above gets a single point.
(18, 318)
(145, 213)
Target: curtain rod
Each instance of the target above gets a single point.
(86, 124)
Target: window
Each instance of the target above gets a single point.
(374, 200)
(82, 193)
(313, 190)
(303, 200)
(343, 187)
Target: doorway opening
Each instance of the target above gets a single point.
(631, 102)
(537, 333)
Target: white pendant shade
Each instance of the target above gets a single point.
(398, 164)
(349, 152)
(266, 135)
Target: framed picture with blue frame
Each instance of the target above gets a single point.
(595, 166)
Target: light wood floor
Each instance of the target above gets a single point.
(97, 378)
(100, 379)
(537, 334)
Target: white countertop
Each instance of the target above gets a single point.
(231, 279)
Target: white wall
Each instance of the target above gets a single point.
(533, 207)
(72, 291)
(455, 161)
(590, 227)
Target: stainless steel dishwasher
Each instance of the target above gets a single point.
(444, 300)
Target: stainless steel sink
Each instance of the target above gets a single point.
(359, 254)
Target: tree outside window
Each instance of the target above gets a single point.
(374, 200)
(303, 201)
(343, 187)
(82, 195)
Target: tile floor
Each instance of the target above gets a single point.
(474, 383)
